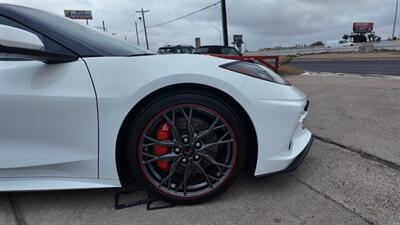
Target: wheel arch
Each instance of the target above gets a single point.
(244, 117)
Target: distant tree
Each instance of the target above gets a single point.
(371, 37)
(346, 37)
(317, 44)
(359, 38)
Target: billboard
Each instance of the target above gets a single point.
(78, 14)
(363, 27)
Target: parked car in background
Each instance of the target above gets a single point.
(176, 49)
(217, 49)
(338, 43)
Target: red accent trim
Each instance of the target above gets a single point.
(259, 58)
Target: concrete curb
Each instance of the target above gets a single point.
(330, 74)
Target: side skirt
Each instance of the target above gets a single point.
(47, 184)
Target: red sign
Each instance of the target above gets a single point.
(363, 27)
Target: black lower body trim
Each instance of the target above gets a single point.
(294, 165)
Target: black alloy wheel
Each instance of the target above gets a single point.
(186, 148)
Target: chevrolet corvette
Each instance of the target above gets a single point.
(80, 109)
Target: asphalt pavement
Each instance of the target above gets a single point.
(351, 175)
(385, 67)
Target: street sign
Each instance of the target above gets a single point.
(78, 14)
(197, 42)
(238, 39)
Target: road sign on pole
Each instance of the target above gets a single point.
(197, 42)
(238, 41)
(78, 14)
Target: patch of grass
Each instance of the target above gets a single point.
(286, 70)
(286, 59)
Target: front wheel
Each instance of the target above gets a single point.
(186, 148)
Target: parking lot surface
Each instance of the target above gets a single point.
(351, 175)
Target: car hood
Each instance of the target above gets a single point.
(194, 61)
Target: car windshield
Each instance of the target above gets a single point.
(97, 41)
(217, 50)
(171, 50)
(203, 50)
(229, 51)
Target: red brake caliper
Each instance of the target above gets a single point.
(162, 135)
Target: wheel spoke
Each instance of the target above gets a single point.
(166, 143)
(148, 155)
(204, 133)
(171, 173)
(218, 127)
(189, 122)
(224, 136)
(206, 147)
(190, 127)
(219, 142)
(202, 171)
(214, 178)
(171, 123)
(167, 157)
(186, 175)
(215, 163)
(148, 145)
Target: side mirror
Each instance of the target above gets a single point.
(17, 38)
(20, 44)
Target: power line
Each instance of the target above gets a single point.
(181, 17)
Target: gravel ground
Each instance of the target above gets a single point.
(362, 113)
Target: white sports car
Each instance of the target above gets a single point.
(80, 109)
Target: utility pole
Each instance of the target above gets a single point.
(137, 34)
(224, 23)
(395, 19)
(104, 27)
(144, 25)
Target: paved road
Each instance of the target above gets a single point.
(351, 176)
(382, 45)
(386, 67)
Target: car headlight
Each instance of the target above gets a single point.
(255, 70)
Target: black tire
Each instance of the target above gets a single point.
(228, 134)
